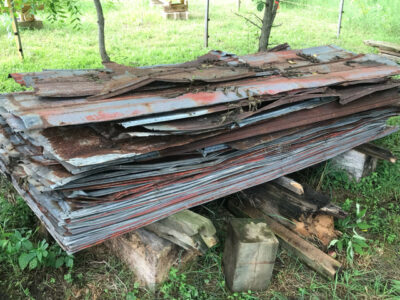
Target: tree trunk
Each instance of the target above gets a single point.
(270, 9)
(100, 20)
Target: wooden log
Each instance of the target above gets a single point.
(320, 227)
(249, 255)
(377, 152)
(355, 163)
(390, 53)
(383, 45)
(334, 211)
(187, 229)
(281, 201)
(305, 251)
(391, 57)
(290, 184)
(310, 215)
(149, 256)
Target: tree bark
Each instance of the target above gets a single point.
(270, 9)
(100, 21)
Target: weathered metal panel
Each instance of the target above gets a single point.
(35, 113)
(95, 169)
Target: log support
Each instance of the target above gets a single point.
(249, 255)
(355, 163)
(305, 251)
(150, 252)
(149, 256)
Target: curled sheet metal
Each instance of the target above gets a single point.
(93, 168)
(129, 214)
(31, 112)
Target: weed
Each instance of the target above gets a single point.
(177, 288)
(395, 287)
(17, 249)
(243, 296)
(351, 240)
(132, 295)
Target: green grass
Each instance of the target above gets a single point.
(137, 35)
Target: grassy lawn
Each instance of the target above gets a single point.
(137, 35)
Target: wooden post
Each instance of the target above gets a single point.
(377, 152)
(340, 17)
(249, 255)
(290, 184)
(238, 5)
(306, 252)
(206, 23)
(14, 25)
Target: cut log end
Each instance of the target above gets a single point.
(149, 256)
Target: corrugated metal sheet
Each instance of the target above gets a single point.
(182, 135)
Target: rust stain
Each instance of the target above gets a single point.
(104, 116)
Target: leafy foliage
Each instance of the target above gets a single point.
(132, 295)
(55, 9)
(19, 249)
(259, 4)
(177, 288)
(351, 240)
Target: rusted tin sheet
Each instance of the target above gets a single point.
(92, 169)
(86, 146)
(29, 79)
(192, 113)
(93, 224)
(296, 119)
(255, 60)
(235, 118)
(354, 93)
(34, 113)
(131, 82)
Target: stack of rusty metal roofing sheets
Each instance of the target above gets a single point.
(97, 153)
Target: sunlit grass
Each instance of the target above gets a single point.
(136, 34)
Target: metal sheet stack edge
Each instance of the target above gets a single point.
(98, 153)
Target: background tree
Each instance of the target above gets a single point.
(100, 21)
(270, 8)
(62, 9)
